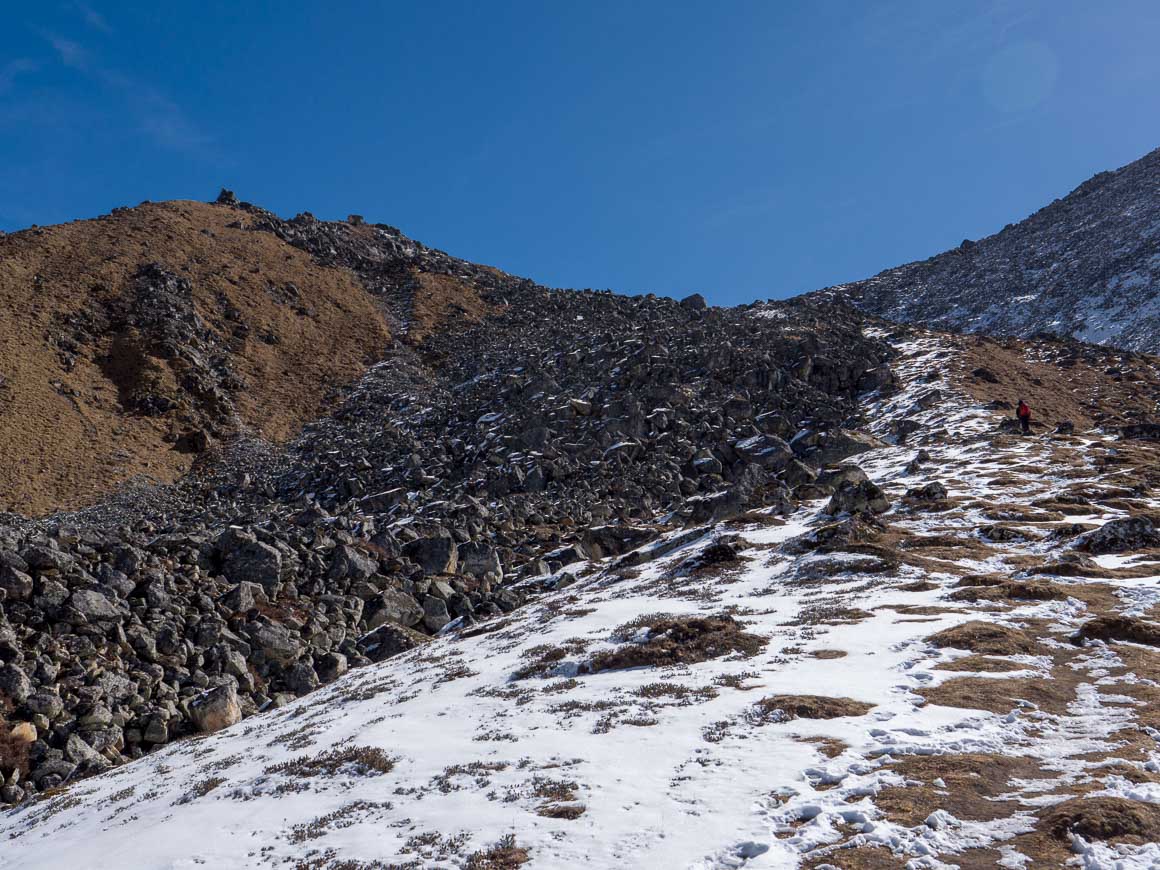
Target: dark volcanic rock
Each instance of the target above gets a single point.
(392, 605)
(434, 555)
(1119, 536)
(246, 559)
(216, 709)
(510, 434)
(857, 498)
(1083, 266)
(390, 640)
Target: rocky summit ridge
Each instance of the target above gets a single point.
(1085, 266)
(498, 431)
(406, 548)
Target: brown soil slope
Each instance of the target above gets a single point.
(1060, 379)
(130, 342)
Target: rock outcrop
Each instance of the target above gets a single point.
(1083, 266)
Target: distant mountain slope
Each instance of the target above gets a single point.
(955, 675)
(130, 342)
(1088, 265)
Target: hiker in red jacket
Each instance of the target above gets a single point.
(1024, 415)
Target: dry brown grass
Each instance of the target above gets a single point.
(504, 855)
(1104, 818)
(987, 638)
(359, 760)
(442, 301)
(13, 749)
(782, 708)
(1011, 590)
(1058, 385)
(680, 640)
(972, 782)
(1127, 628)
(980, 665)
(1003, 695)
(858, 858)
(66, 437)
(830, 747)
(1051, 692)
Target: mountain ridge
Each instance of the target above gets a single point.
(499, 528)
(1086, 265)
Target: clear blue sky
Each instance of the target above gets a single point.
(742, 149)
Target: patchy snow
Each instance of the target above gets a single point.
(503, 729)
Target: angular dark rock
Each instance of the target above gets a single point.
(392, 605)
(439, 555)
(93, 606)
(216, 709)
(246, 559)
(1119, 536)
(857, 498)
(14, 684)
(435, 614)
(390, 640)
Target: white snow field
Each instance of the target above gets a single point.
(514, 737)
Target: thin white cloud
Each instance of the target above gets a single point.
(93, 18)
(155, 114)
(69, 52)
(158, 116)
(14, 68)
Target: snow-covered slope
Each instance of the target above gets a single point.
(763, 693)
(1087, 265)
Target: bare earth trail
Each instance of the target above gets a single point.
(810, 691)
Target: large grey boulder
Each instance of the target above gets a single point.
(1119, 536)
(616, 540)
(246, 559)
(242, 597)
(435, 614)
(216, 709)
(768, 451)
(301, 678)
(14, 684)
(875, 379)
(714, 508)
(45, 702)
(351, 564)
(434, 555)
(858, 498)
(41, 559)
(828, 448)
(15, 583)
(276, 642)
(93, 606)
(392, 605)
(389, 640)
(798, 473)
(705, 462)
(930, 492)
(80, 753)
(836, 476)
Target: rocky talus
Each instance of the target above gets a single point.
(504, 431)
(1086, 266)
(939, 650)
(439, 567)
